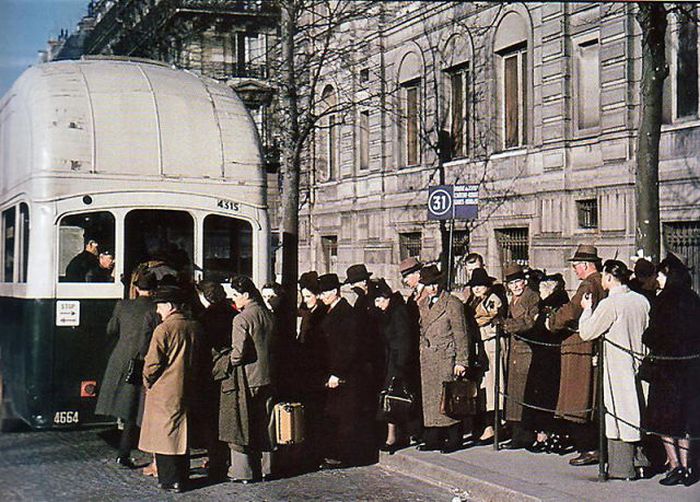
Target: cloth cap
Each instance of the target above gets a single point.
(168, 294)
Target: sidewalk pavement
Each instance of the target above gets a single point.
(482, 474)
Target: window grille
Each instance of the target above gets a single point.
(513, 244)
(683, 238)
(409, 245)
(587, 211)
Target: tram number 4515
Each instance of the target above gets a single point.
(66, 417)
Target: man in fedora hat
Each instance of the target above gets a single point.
(444, 354)
(576, 389)
(169, 375)
(339, 330)
(370, 350)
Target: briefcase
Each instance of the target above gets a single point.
(459, 399)
(289, 423)
(396, 403)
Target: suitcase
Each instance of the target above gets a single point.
(289, 423)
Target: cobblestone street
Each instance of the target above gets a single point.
(78, 465)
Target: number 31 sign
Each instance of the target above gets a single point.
(446, 202)
(440, 202)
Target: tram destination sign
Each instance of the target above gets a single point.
(447, 202)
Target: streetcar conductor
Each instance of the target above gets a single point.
(83, 262)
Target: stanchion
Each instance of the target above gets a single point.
(497, 390)
(602, 441)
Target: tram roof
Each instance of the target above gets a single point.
(125, 117)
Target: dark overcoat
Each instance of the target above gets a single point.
(444, 344)
(520, 322)
(396, 329)
(132, 323)
(673, 406)
(576, 384)
(170, 375)
(246, 397)
(339, 330)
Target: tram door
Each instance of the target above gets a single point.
(151, 234)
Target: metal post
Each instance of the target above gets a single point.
(497, 387)
(449, 254)
(602, 441)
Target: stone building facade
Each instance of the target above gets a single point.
(538, 103)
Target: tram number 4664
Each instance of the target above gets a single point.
(66, 417)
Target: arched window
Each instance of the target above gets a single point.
(327, 157)
(513, 79)
(409, 109)
(456, 72)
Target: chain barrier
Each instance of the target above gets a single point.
(539, 408)
(654, 357)
(650, 432)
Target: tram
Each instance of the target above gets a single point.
(132, 155)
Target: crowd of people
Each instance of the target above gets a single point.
(195, 369)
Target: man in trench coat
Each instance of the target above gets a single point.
(576, 389)
(132, 323)
(170, 378)
(444, 354)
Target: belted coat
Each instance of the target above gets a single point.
(170, 375)
(444, 343)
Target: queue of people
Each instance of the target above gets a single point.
(375, 374)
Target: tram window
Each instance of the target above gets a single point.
(23, 232)
(82, 237)
(228, 248)
(8, 233)
(158, 235)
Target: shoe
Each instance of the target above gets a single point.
(330, 463)
(674, 477)
(174, 488)
(125, 462)
(268, 477)
(511, 445)
(483, 442)
(428, 447)
(239, 481)
(537, 447)
(585, 458)
(614, 478)
(691, 477)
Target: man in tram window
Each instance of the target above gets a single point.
(103, 271)
(83, 262)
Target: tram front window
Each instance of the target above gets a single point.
(228, 248)
(159, 235)
(86, 247)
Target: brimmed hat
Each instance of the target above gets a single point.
(356, 273)
(383, 289)
(309, 280)
(513, 272)
(430, 275)
(480, 278)
(147, 281)
(644, 268)
(673, 260)
(167, 294)
(409, 265)
(328, 282)
(586, 252)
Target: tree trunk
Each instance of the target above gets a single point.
(289, 154)
(652, 20)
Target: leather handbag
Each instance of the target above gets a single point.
(647, 368)
(459, 398)
(396, 403)
(134, 371)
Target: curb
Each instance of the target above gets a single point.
(468, 481)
